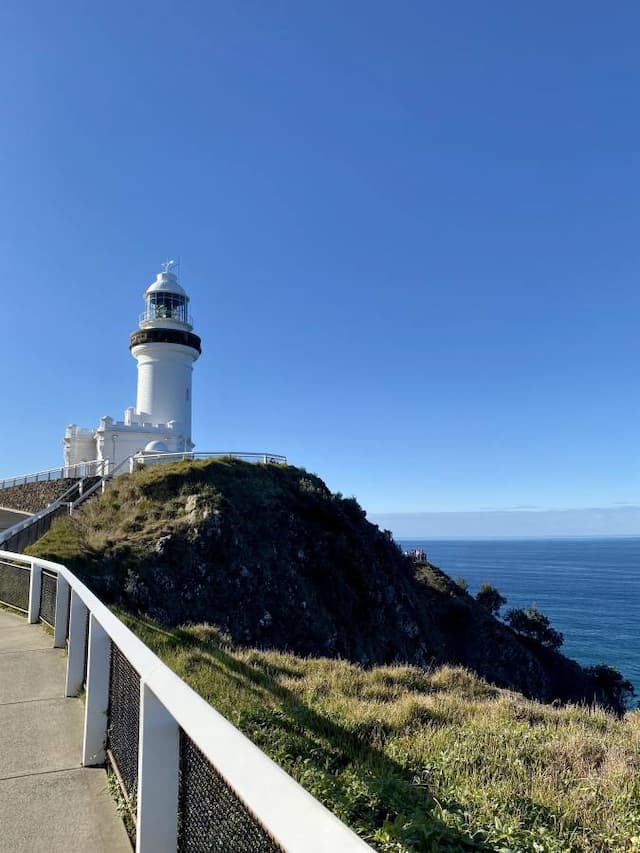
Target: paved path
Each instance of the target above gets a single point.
(9, 517)
(48, 801)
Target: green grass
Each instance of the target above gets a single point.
(424, 761)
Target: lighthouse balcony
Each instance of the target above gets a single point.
(156, 313)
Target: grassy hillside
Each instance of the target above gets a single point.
(271, 557)
(416, 754)
(424, 761)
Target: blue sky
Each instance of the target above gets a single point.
(410, 232)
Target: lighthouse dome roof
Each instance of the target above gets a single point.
(166, 282)
(156, 447)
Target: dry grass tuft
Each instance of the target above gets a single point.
(422, 761)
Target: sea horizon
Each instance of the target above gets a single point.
(589, 586)
(516, 538)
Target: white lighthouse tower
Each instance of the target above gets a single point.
(165, 349)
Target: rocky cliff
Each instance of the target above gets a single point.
(269, 555)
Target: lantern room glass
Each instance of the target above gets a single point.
(166, 306)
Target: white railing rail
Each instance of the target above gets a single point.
(161, 312)
(94, 468)
(10, 532)
(103, 467)
(141, 460)
(101, 484)
(288, 813)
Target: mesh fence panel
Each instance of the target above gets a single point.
(124, 719)
(211, 818)
(48, 592)
(14, 585)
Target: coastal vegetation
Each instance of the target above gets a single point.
(417, 760)
(274, 559)
(489, 597)
(532, 623)
(382, 686)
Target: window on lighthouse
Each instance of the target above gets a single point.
(166, 306)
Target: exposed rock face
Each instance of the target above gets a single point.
(269, 555)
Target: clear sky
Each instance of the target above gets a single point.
(410, 232)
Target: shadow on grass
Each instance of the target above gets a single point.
(363, 786)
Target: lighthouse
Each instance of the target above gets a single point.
(165, 349)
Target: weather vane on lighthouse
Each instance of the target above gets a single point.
(169, 266)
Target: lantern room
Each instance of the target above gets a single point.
(166, 303)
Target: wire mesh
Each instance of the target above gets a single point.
(48, 594)
(211, 818)
(14, 585)
(124, 720)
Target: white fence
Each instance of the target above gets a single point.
(28, 530)
(173, 726)
(95, 468)
(141, 460)
(104, 467)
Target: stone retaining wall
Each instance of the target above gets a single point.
(32, 497)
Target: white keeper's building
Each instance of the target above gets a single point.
(165, 349)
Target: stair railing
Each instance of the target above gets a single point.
(27, 531)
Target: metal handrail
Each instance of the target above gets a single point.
(143, 458)
(159, 314)
(100, 484)
(54, 506)
(130, 462)
(295, 820)
(78, 471)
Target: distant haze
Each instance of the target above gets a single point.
(606, 521)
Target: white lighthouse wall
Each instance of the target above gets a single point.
(79, 445)
(117, 441)
(164, 384)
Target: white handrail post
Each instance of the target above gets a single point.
(158, 766)
(34, 592)
(97, 698)
(62, 608)
(76, 652)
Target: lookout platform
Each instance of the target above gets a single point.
(48, 801)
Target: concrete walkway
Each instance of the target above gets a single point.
(48, 801)
(9, 517)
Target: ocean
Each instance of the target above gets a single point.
(589, 588)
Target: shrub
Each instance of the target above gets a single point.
(489, 597)
(610, 680)
(532, 623)
(462, 583)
